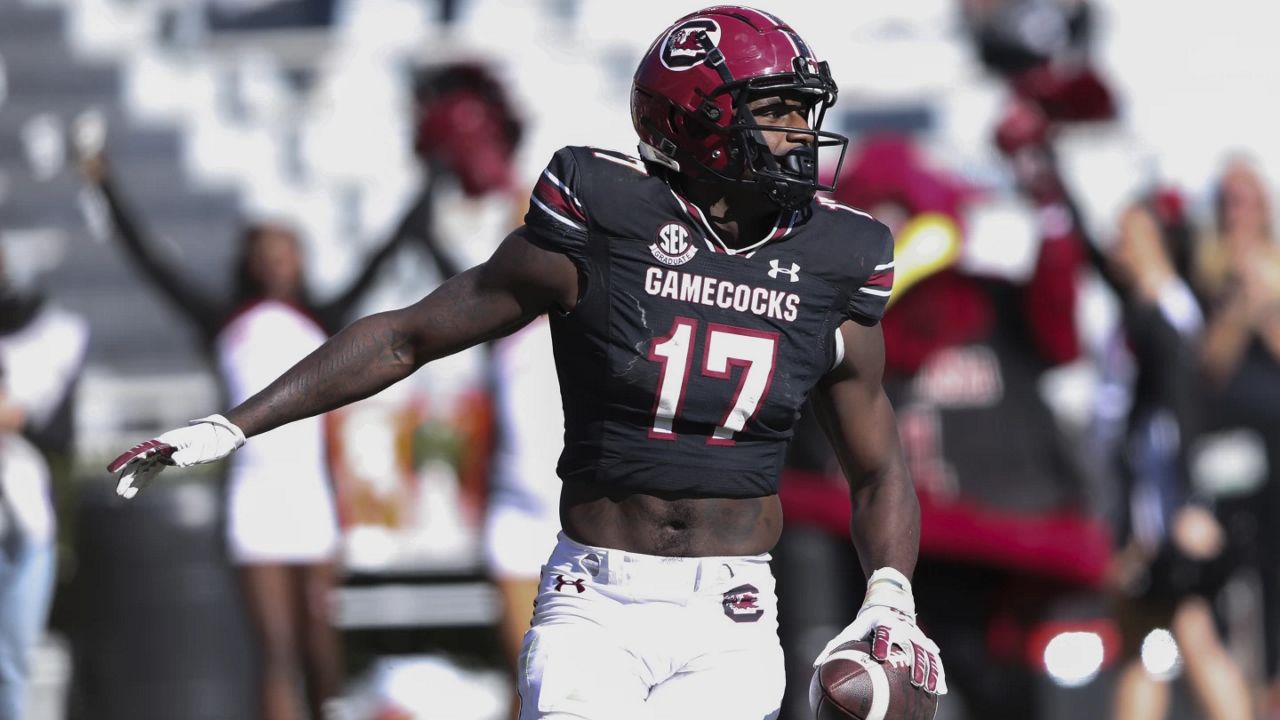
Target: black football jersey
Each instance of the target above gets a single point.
(685, 363)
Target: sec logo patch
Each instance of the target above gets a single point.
(674, 245)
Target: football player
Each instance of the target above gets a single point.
(698, 296)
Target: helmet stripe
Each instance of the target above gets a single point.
(795, 47)
(801, 48)
(758, 19)
(772, 18)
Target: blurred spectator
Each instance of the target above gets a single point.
(1239, 277)
(468, 133)
(1240, 273)
(421, 502)
(1172, 558)
(466, 137)
(1006, 529)
(467, 128)
(281, 523)
(42, 348)
(1014, 36)
(269, 264)
(282, 526)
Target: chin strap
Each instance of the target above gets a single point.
(649, 153)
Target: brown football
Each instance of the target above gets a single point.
(852, 684)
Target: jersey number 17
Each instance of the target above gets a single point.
(724, 348)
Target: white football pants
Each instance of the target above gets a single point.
(624, 636)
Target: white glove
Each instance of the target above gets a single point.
(204, 440)
(888, 618)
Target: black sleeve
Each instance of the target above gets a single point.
(199, 306)
(1167, 364)
(333, 314)
(557, 217)
(867, 304)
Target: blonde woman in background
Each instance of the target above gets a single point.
(1239, 279)
(1240, 274)
(1173, 557)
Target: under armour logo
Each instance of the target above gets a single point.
(561, 581)
(775, 269)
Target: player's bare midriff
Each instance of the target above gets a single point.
(670, 526)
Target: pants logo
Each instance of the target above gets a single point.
(561, 581)
(742, 604)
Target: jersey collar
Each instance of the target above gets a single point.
(783, 225)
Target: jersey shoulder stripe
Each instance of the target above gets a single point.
(881, 280)
(867, 244)
(558, 200)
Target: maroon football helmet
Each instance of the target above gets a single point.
(689, 102)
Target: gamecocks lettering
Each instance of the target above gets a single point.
(713, 292)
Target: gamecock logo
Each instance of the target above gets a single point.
(682, 50)
(742, 604)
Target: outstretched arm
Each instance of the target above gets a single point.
(519, 282)
(856, 415)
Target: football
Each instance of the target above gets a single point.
(852, 684)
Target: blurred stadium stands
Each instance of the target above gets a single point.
(213, 113)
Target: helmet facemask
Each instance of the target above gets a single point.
(790, 180)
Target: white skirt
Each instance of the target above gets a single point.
(280, 507)
(284, 516)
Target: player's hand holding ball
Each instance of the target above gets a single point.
(204, 440)
(881, 667)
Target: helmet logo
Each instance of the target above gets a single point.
(681, 49)
(673, 246)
